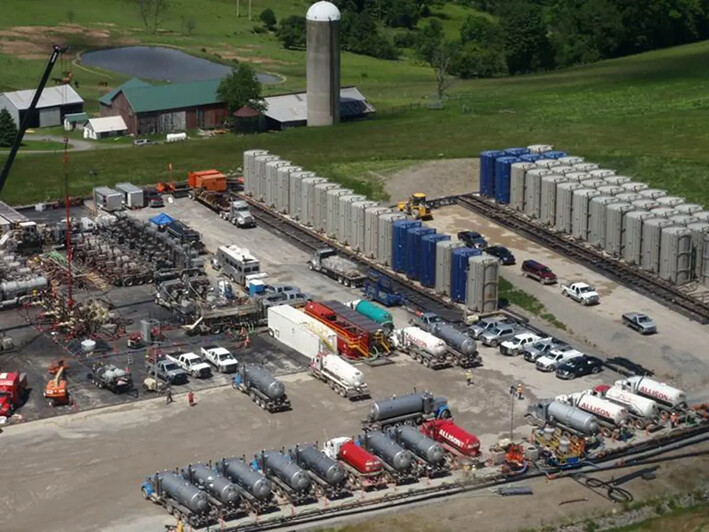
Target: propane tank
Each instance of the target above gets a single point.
(602, 408)
(457, 340)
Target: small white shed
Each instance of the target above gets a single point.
(108, 126)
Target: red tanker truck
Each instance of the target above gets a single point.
(453, 438)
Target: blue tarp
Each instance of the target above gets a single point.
(162, 219)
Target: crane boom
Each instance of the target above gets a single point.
(56, 52)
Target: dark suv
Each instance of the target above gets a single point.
(579, 366)
(537, 270)
(501, 252)
(472, 239)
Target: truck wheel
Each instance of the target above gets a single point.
(145, 493)
(494, 343)
(446, 414)
(169, 509)
(596, 370)
(339, 280)
(427, 362)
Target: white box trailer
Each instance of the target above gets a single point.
(108, 199)
(133, 196)
(300, 332)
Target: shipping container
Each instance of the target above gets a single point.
(538, 149)
(133, 196)
(295, 192)
(618, 180)
(414, 249)
(517, 172)
(555, 154)
(548, 163)
(676, 255)
(386, 236)
(482, 283)
(533, 191)
(503, 165)
(547, 206)
(444, 264)
(615, 227)
(320, 212)
(429, 248)
(459, 272)
(597, 218)
(371, 230)
(634, 186)
(357, 232)
(398, 243)
(688, 208)
(652, 193)
(670, 201)
(564, 205)
(600, 173)
(585, 167)
(259, 175)
(333, 209)
(487, 172)
(650, 247)
(699, 231)
(343, 227)
(633, 235)
(108, 199)
(300, 332)
(581, 211)
(249, 169)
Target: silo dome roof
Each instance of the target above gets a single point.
(323, 11)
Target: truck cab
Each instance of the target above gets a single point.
(556, 358)
(515, 345)
(640, 322)
(240, 215)
(319, 255)
(13, 392)
(166, 369)
(428, 320)
(220, 358)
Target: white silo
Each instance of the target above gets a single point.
(323, 64)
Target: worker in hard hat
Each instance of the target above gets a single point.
(469, 377)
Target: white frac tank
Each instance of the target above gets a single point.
(601, 408)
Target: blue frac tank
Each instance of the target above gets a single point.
(554, 154)
(516, 152)
(414, 249)
(530, 157)
(502, 178)
(459, 272)
(487, 171)
(427, 270)
(398, 243)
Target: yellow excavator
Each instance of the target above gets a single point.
(416, 206)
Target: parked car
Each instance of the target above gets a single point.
(496, 335)
(537, 270)
(640, 322)
(501, 252)
(581, 292)
(542, 347)
(555, 358)
(515, 345)
(472, 239)
(142, 142)
(579, 366)
(476, 329)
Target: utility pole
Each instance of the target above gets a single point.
(513, 395)
(249, 9)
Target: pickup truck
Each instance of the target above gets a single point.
(167, 369)
(515, 345)
(640, 322)
(581, 292)
(555, 358)
(194, 365)
(220, 358)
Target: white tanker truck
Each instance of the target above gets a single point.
(422, 346)
(643, 410)
(609, 415)
(667, 397)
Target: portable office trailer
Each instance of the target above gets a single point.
(320, 212)
(357, 227)
(482, 283)
(652, 236)
(386, 236)
(533, 191)
(333, 209)
(283, 185)
(444, 264)
(633, 235)
(517, 172)
(615, 227)
(370, 241)
(581, 212)
(296, 194)
(547, 207)
(564, 205)
(676, 255)
(108, 199)
(249, 169)
(132, 196)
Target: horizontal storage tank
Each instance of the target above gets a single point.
(248, 169)
(551, 154)
(682, 219)
(634, 186)
(586, 166)
(283, 185)
(343, 228)
(259, 175)
(309, 199)
(530, 157)
(633, 235)
(688, 208)
(610, 190)
(581, 212)
(398, 246)
(296, 194)
(564, 206)
(358, 211)
(593, 182)
(618, 180)
(629, 197)
(571, 160)
(602, 172)
(444, 264)
(699, 231)
(652, 193)
(539, 148)
(487, 172)
(664, 212)
(517, 172)
(371, 230)
(676, 255)
(414, 248)
(482, 283)
(429, 247)
(547, 209)
(547, 163)
(577, 176)
(459, 272)
(670, 201)
(533, 191)
(652, 235)
(270, 186)
(615, 227)
(320, 213)
(333, 209)
(597, 220)
(386, 236)
(503, 165)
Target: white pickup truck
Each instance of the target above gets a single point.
(220, 358)
(581, 292)
(194, 365)
(556, 357)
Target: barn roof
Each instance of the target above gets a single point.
(107, 124)
(50, 97)
(172, 96)
(293, 107)
(106, 99)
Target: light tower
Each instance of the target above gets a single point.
(323, 58)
